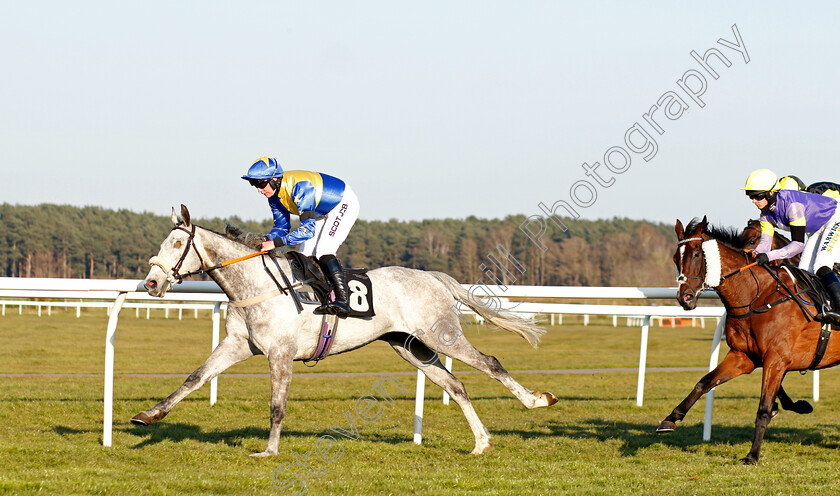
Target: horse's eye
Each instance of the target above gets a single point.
(177, 244)
(695, 254)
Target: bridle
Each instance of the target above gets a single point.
(683, 279)
(173, 274)
(704, 286)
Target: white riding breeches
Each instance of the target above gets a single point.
(821, 249)
(332, 229)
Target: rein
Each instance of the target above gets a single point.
(791, 294)
(173, 274)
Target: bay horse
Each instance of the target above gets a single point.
(765, 327)
(414, 314)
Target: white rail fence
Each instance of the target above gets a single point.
(115, 294)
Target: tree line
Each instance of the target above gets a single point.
(92, 242)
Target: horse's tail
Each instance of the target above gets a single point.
(505, 319)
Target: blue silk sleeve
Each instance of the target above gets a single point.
(281, 220)
(304, 232)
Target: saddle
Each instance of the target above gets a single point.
(810, 287)
(316, 289)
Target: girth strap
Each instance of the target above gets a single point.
(822, 344)
(329, 326)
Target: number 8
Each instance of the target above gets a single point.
(358, 296)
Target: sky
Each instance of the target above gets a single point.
(427, 109)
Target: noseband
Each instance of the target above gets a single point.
(172, 273)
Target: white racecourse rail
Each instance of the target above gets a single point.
(120, 290)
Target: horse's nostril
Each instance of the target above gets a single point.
(150, 284)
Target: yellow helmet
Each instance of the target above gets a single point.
(762, 180)
(791, 182)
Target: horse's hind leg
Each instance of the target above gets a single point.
(465, 352)
(801, 406)
(231, 350)
(436, 372)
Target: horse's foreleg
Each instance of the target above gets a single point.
(231, 350)
(734, 364)
(280, 365)
(771, 380)
(436, 372)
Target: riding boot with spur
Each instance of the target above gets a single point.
(335, 273)
(831, 283)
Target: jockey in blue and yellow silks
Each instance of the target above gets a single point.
(327, 209)
(799, 212)
(308, 195)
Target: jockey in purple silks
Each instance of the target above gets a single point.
(799, 212)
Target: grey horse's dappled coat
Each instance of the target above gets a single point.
(414, 314)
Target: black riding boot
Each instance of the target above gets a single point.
(832, 284)
(335, 274)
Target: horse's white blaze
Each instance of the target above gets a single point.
(711, 252)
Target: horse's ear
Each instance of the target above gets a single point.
(185, 214)
(703, 224)
(174, 217)
(679, 229)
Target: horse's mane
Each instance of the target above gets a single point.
(250, 239)
(729, 236)
(234, 233)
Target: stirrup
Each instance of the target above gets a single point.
(339, 309)
(324, 309)
(828, 318)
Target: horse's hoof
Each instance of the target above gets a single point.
(666, 426)
(482, 446)
(262, 454)
(802, 407)
(544, 399)
(749, 460)
(143, 418)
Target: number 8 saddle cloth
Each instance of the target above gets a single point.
(315, 289)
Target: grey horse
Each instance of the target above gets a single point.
(261, 320)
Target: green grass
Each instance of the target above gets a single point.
(594, 441)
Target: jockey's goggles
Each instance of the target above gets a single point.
(258, 183)
(758, 195)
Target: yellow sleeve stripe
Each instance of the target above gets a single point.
(767, 228)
